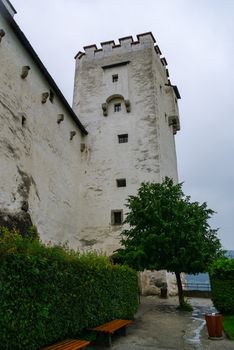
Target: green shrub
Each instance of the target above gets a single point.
(228, 326)
(222, 285)
(49, 293)
(7, 234)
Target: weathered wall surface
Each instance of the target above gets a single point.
(66, 185)
(149, 154)
(150, 122)
(168, 119)
(40, 167)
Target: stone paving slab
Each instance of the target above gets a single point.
(160, 326)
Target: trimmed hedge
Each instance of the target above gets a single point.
(228, 326)
(50, 293)
(222, 285)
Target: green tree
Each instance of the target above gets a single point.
(167, 231)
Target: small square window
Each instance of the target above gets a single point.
(116, 217)
(121, 182)
(123, 138)
(117, 107)
(115, 78)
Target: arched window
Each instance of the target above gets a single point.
(119, 102)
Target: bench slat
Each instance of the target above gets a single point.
(112, 326)
(70, 344)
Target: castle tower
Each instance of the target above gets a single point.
(124, 98)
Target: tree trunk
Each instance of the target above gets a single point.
(180, 288)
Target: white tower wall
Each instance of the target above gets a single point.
(148, 115)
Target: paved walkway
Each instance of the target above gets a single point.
(159, 326)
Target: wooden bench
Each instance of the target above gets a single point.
(111, 327)
(70, 344)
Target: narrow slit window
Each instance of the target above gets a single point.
(116, 217)
(121, 182)
(117, 107)
(23, 120)
(115, 78)
(123, 138)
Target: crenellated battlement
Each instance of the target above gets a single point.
(125, 44)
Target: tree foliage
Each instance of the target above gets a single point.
(167, 231)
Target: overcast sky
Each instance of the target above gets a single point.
(197, 39)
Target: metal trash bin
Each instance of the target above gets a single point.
(214, 323)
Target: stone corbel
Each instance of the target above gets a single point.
(60, 118)
(105, 109)
(2, 34)
(72, 134)
(127, 105)
(44, 97)
(25, 70)
(82, 147)
(173, 121)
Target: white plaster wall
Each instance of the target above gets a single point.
(110, 88)
(38, 162)
(165, 99)
(149, 154)
(71, 193)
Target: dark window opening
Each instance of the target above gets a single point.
(116, 217)
(23, 120)
(115, 78)
(121, 182)
(51, 97)
(117, 107)
(123, 138)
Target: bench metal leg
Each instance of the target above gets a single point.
(109, 340)
(123, 331)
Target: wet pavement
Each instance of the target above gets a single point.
(159, 325)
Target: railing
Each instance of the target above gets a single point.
(197, 287)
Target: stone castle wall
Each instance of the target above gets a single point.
(149, 154)
(40, 166)
(64, 182)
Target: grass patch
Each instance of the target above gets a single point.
(228, 325)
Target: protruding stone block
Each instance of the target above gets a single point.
(126, 41)
(127, 105)
(105, 109)
(157, 49)
(2, 34)
(107, 46)
(72, 134)
(25, 70)
(82, 147)
(89, 50)
(146, 38)
(79, 55)
(164, 61)
(173, 120)
(44, 97)
(60, 118)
